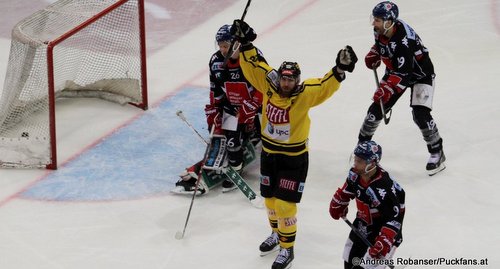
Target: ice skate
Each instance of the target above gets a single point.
(270, 245)
(284, 259)
(436, 163)
(228, 185)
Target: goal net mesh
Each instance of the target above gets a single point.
(72, 48)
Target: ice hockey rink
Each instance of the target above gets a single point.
(109, 204)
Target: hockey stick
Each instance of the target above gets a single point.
(231, 47)
(179, 235)
(183, 118)
(228, 171)
(387, 117)
(360, 235)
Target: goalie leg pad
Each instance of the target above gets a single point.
(212, 179)
(216, 153)
(248, 153)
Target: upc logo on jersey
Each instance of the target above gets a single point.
(278, 132)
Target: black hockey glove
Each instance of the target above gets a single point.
(243, 32)
(346, 59)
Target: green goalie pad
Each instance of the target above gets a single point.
(212, 173)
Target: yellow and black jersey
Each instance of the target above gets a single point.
(285, 121)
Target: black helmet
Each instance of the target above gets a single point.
(224, 33)
(289, 69)
(369, 151)
(386, 10)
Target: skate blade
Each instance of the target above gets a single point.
(437, 170)
(275, 249)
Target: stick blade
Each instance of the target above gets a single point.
(179, 235)
(257, 202)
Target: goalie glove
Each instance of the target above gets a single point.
(214, 117)
(346, 59)
(372, 59)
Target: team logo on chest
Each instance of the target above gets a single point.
(278, 125)
(277, 115)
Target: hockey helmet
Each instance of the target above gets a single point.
(369, 151)
(289, 69)
(224, 34)
(386, 10)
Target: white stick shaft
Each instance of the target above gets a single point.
(183, 118)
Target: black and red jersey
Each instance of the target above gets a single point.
(380, 203)
(404, 55)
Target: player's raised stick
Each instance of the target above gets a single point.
(231, 47)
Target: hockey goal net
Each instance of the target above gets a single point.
(72, 48)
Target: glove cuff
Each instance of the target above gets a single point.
(246, 46)
(339, 76)
(388, 233)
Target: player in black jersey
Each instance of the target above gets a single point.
(234, 104)
(381, 206)
(408, 65)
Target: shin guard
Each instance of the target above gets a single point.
(287, 222)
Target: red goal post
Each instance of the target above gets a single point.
(72, 48)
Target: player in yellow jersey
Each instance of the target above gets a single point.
(284, 133)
